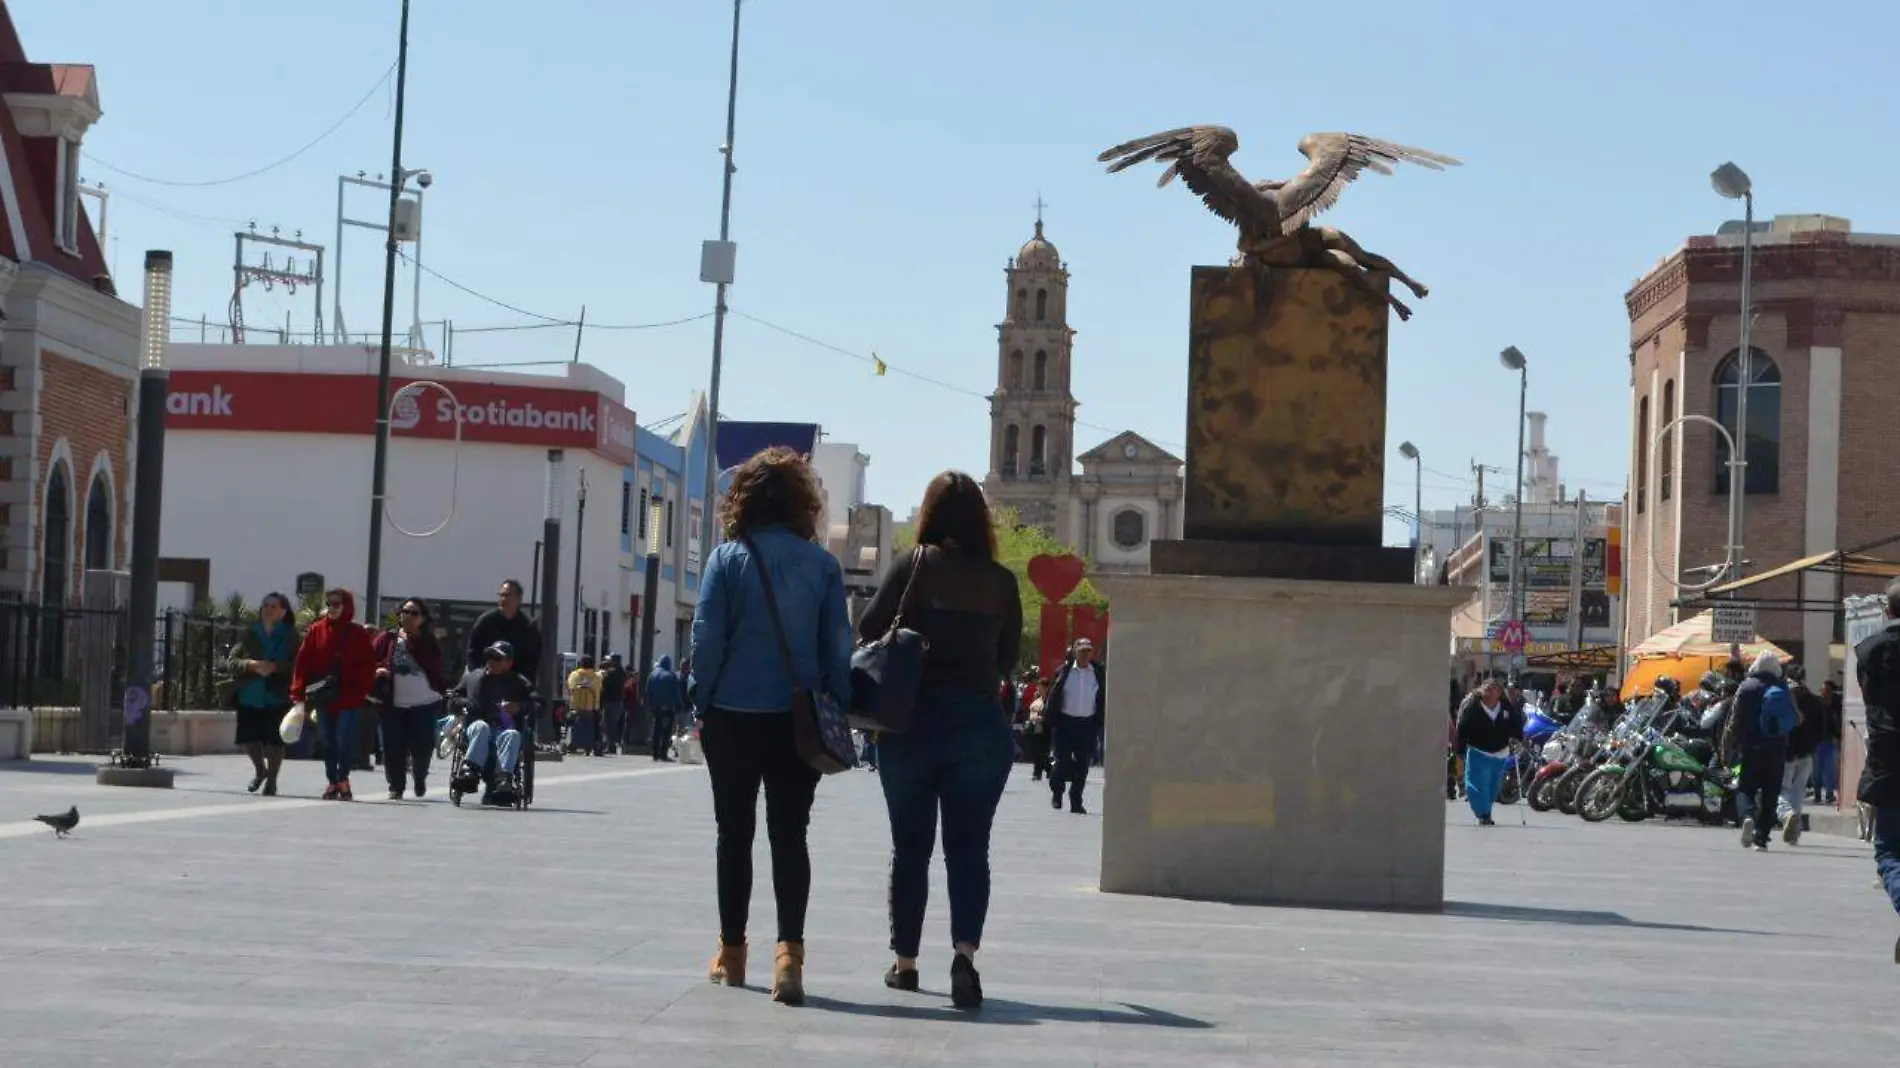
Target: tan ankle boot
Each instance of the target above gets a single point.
(788, 974)
(728, 965)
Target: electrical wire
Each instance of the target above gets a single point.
(268, 167)
(894, 369)
(549, 320)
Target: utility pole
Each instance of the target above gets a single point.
(580, 529)
(1575, 616)
(379, 474)
(716, 262)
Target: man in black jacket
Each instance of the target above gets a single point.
(1074, 712)
(613, 708)
(1764, 758)
(1877, 666)
(506, 622)
(500, 700)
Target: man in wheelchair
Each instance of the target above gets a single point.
(498, 701)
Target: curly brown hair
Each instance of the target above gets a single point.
(774, 486)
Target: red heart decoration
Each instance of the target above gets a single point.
(1055, 577)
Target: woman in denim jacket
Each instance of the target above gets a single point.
(770, 515)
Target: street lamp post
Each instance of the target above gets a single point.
(649, 607)
(1733, 182)
(1514, 360)
(379, 472)
(580, 531)
(134, 764)
(1410, 452)
(548, 672)
(716, 266)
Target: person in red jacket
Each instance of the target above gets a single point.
(335, 668)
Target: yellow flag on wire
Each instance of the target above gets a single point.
(878, 366)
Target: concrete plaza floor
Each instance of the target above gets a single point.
(206, 927)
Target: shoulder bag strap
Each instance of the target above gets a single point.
(771, 610)
(910, 592)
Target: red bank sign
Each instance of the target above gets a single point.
(296, 403)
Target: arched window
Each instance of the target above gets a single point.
(1038, 450)
(1015, 378)
(1762, 450)
(1668, 472)
(1042, 305)
(1131, 528)
(99, 524)
(1642, 455)
(56, 539)
(1012, 436)
(1022, 305)
(1042, 369)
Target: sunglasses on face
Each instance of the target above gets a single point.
(333, 604)
(412, 611)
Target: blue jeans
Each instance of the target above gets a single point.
(339, 743)
(954, 759)
(507, 746)
(1887, 850)
(1827, 769)
(1484, 775)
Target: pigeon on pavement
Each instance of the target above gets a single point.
(63, 822)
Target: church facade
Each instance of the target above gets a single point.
(1128, 491)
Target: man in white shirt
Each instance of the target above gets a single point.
(1073, 712)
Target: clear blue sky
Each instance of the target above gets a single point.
(889, 155)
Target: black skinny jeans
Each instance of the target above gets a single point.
(408, 741)
(745, 750)
(1762, 770)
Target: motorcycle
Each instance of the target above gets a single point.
(1562, 752)
(1564, 791)
(1658, 775)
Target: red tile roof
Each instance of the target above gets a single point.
(36, 204)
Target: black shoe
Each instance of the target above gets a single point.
(270, 787)
(256, 782)
(1055, 802)
(966, 987)
(422, 787)
(1076, 807)
(1487, 822)
(905, 979)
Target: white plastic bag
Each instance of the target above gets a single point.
(291, 729)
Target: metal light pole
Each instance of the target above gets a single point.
(716, 266)
(133, 764)
(548, 672)
(649, 608)
(1410, 452)
(1732, 182)
(1514, 360)
(580, 531)
(379, 475)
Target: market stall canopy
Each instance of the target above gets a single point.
(1591, 658)
(1685, 652)
(1694, 637)
(1838, 562)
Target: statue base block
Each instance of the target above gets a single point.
(1281, 560)
(1286, 408)
(1274, 741)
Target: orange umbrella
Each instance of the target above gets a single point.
(1685, 652)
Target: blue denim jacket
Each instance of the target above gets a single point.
(735, 654)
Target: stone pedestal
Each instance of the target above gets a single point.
(16, 734)
(1276, 741)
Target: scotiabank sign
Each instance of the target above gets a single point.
(296, 403)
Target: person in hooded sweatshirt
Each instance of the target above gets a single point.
(1764, 757)
(1487, 724)
(666, 697)
(334, 669)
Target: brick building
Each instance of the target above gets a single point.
(68, 345)
(1822, 449)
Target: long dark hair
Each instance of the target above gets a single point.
(955, 512)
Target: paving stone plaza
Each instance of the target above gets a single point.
(209, 928)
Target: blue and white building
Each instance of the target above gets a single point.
(662, 508)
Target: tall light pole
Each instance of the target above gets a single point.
(716, 266)
(133, 764)
(379, 474)
(1410, 452)
(580, 531)
(1732, 182)
(1514, 360)
(547, 675)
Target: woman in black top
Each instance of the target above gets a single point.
(958, 752)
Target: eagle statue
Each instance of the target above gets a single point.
(1275, 218)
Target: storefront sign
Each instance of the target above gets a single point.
(1548, 562)
(298, 403)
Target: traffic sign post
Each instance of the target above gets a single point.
(1732, 624)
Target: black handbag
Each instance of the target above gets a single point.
(887, 673)
(820, 730)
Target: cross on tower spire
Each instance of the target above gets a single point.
(1039, 206)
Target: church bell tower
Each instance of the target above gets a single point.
(1032, 411)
